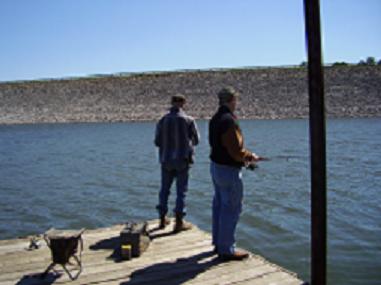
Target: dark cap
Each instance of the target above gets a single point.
(227, 94)
(178, 98)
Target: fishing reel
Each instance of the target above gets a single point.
(251, 166)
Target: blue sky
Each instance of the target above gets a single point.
(54, 39)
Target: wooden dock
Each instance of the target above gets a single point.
(171, 259)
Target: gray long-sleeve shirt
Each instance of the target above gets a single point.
(176, 135)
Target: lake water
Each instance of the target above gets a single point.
(93, 175)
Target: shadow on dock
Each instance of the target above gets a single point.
(34, 279)
(174, 273)
(113, 244)
(154, 235)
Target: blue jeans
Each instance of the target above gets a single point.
(170, 171)
(227, 205)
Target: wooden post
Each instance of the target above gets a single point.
(317, 145)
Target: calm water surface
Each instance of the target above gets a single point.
(92, 175)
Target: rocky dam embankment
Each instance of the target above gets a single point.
(266, 93)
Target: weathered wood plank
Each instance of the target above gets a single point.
(43, 255)
(273, 278)
(100, 263)
(171, 259)
(108, 267)
(91, 257)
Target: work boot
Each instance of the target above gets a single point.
(164, 221)
(181, 225)
(237, 255)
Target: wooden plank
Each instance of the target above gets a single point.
(205, 273)
(43, 255)
(183, 258)
(103, 265)
(273, 278)
(101, 260)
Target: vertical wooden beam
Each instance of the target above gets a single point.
(317, 144)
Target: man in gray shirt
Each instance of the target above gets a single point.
(176, 135)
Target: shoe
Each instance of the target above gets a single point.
(237, 255)
(164, 221)
(181, 225)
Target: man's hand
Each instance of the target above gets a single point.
(251, 164)
(255, 158)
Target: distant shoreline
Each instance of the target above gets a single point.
(155, 120)
(266, 93)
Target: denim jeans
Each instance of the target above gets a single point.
(227, 205)
(170, 171)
